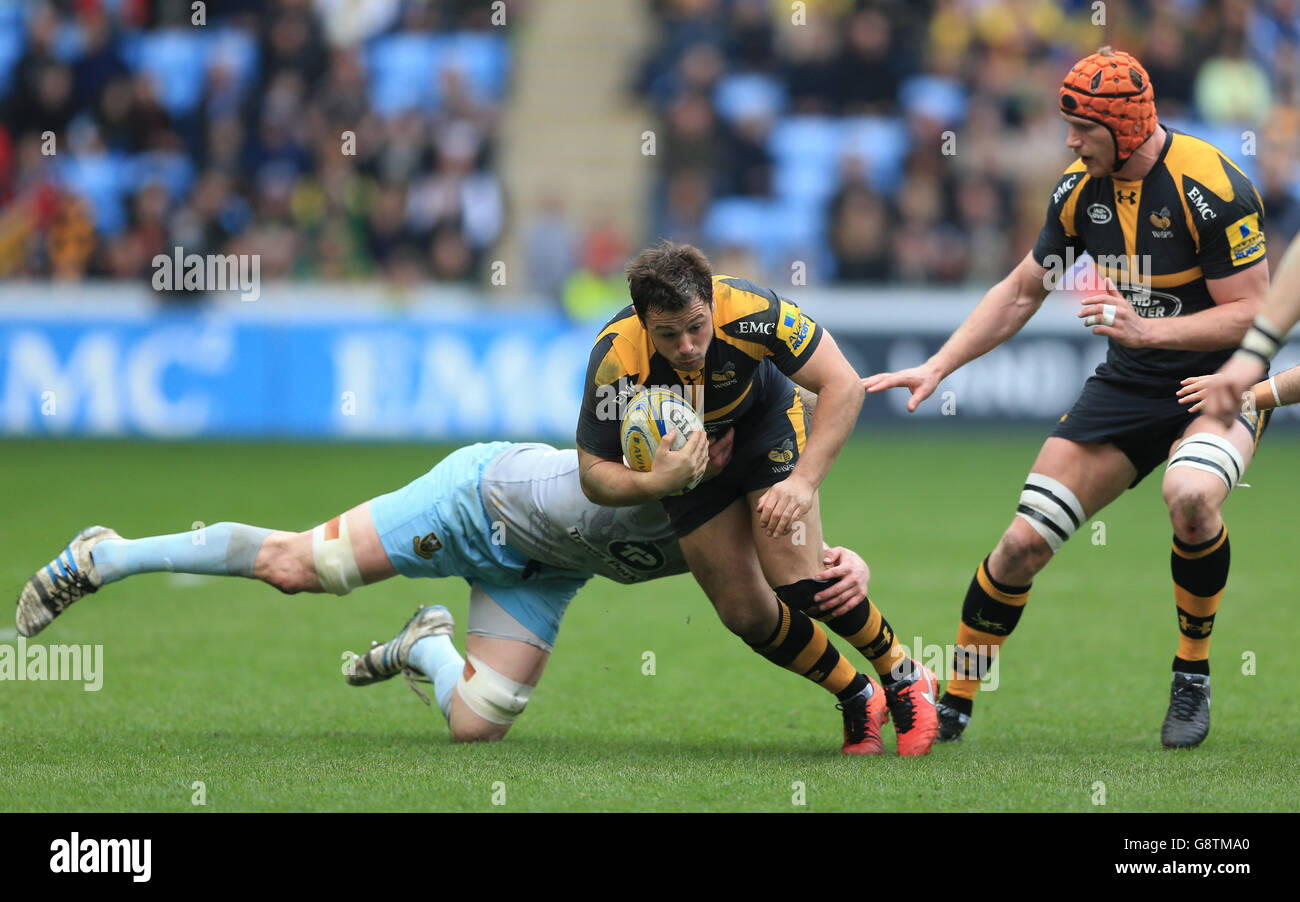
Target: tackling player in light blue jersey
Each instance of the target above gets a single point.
(511, 519)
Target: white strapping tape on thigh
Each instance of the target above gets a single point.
(1050, 508)
(492, 696)
(336, 563)
(1211, 453)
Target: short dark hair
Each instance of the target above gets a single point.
(669, 277)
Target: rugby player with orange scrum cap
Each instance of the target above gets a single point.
(1178, 227)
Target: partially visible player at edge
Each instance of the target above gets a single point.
(1138, 192)
(1278, 315)
(1281, 390)
(755, 528)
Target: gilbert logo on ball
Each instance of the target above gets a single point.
(651, 415)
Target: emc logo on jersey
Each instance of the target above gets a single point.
(745, 327)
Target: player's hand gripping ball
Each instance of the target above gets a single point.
(651, 415)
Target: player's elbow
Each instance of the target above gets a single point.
(849, 392)
(587, 488)
(591, 487)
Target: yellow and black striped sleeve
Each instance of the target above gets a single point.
(1229, 221)
(612, 373)
(763, 325)
(1059, 232)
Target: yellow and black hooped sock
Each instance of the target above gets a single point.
(988, 615)
(864, 627)
(800, 645)
(1200, 573)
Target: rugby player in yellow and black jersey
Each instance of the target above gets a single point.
(1180, 228)
(754, 528)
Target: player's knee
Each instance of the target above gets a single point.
(334, 560)
(743, 617)
(477, 732)
(1046, 517)
(492, 698)
(1023, 552)
(1191, 508)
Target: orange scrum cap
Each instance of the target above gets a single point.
(1112, 88)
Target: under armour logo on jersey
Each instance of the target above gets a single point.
(1131, 198)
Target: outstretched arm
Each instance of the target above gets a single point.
(1002, 312)
(1278, 391)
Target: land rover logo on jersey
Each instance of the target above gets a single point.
(1154, 304)
(642, 556)
(1099, 213)
(425, 547)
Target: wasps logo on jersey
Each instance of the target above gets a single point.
(750, 325)
(1195, 216)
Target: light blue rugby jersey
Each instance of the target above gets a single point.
(534, 490)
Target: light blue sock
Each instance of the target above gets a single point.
(222, 549)
(437, 658)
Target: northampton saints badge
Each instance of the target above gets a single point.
(425, 547)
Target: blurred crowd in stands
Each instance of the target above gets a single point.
(916, 141)
(899, 141)
(337, 139)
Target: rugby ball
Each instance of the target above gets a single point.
(652, 414)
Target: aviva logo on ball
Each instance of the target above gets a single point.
(651, 415)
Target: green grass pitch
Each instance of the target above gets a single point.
(230, 683)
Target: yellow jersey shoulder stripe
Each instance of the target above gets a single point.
(628, 353)
(1072, 200)
(1188, 156)
(732, 300)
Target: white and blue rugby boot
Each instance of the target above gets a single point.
(388, 659)
(68, 578)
